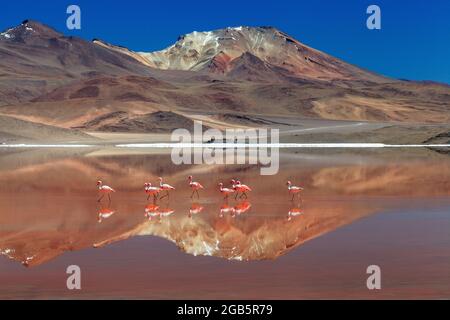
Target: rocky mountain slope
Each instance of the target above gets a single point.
(69, 82)
(34, 59)
(225, 50)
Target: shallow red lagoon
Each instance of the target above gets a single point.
(355, 212)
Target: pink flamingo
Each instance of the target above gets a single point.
(151, 191)
(225, 191)
(195, 186)
(165, 187)
(102, 189)
(243, 189)
(294, 190)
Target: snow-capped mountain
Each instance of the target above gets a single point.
(221, 50)
(69, 82)
(28, 30)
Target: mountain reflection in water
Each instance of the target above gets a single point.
(61, 214)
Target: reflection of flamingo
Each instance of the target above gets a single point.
(294, 190)
(242, 207)
(166, 212)
(195, 186)
(224, 209)
(104, 214)
(225, 191)
(242, 188)
(294, 212)
(195, 209)
(102, 189)
(166, 187)
(152, 210)
(151, 191)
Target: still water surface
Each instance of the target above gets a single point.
(357, 210)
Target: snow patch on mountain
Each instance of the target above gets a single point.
(8, 34)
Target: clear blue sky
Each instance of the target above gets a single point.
(414, 42)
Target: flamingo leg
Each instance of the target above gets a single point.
(109, 197)
(198, 196)
(235, 197)
(192, 194)
(166, 195)
(100, 198)
(148, 197)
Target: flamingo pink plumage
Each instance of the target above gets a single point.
(226, 209)
(294, 212)
(242, 188)
(195, 186)
(242, 207)
(103, 190)
(104, 213)
(225, 191)
(156, 211)
(294, 190)
(165, 187)
(195, 209)
(151, 191)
